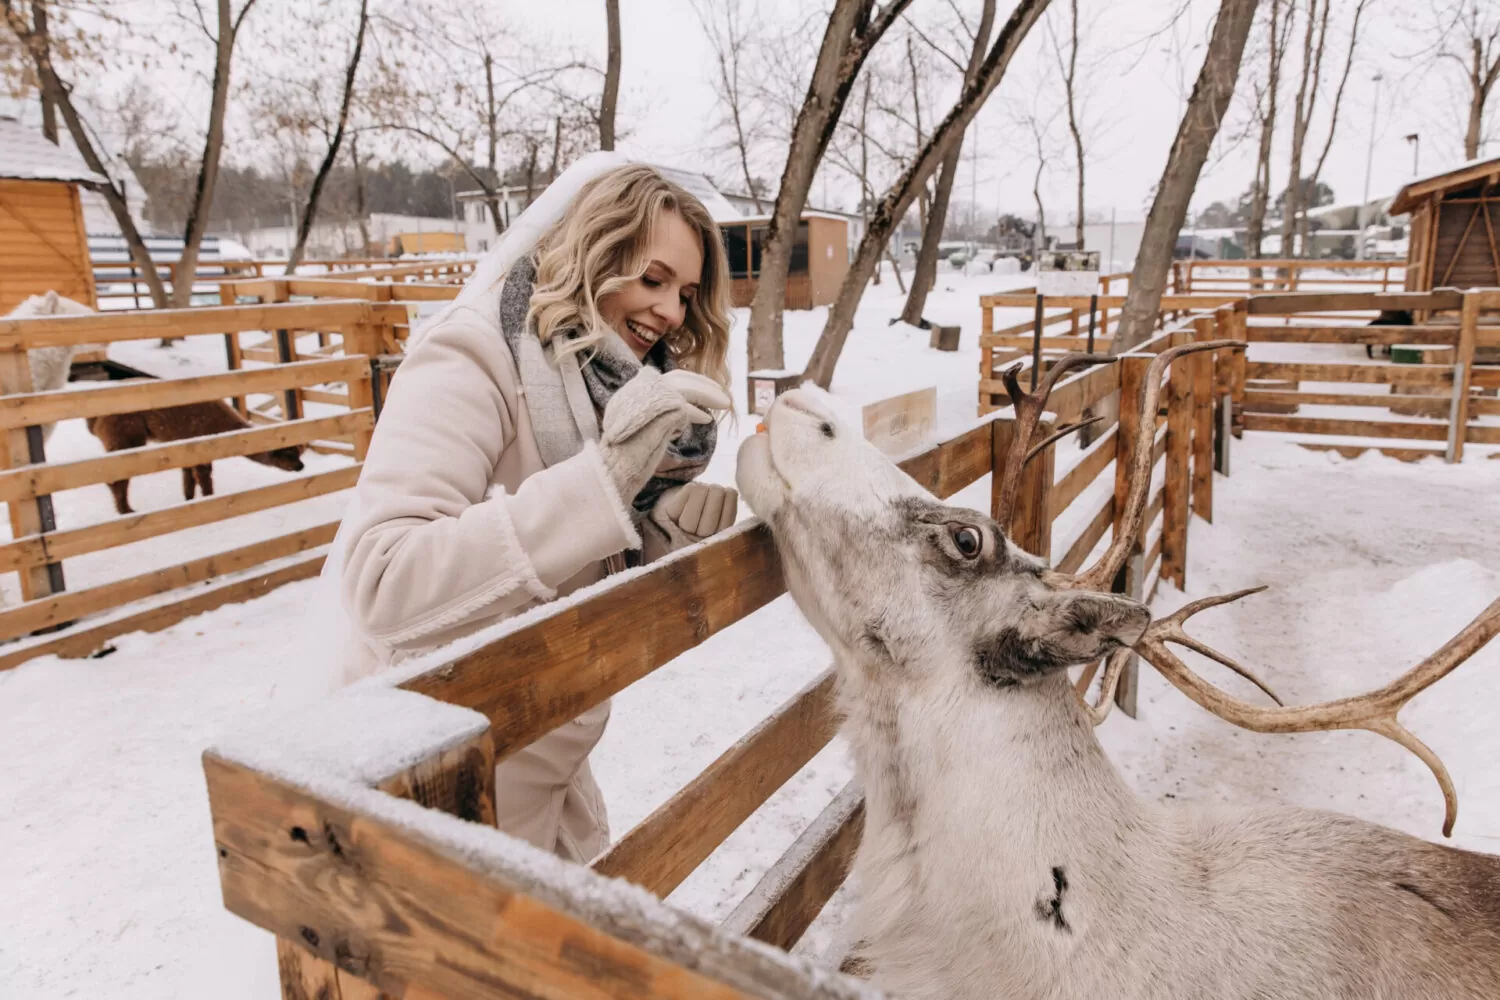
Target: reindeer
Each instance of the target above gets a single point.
(1003, 855)
(50, 366)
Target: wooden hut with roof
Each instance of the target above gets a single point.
(1455, 228)
(43, 244)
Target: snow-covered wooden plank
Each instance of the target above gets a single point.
(1295, 303)
(1382, 374)
(114, 326)
(667, 846)
(1348, 428)
(789, 897)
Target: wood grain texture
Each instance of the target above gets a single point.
(35, 550)
(1382, 400)
(1381, 374)
(128, 397)
(667, 846)
(1310, 334)
(1346, 428)
(1296, 303)
(405, 912)
(79, 642)
(789, 897)
(1177, 486)
(60, 608)
(1082, 475)
(55, 477)
(115, 326)
(1202, 366)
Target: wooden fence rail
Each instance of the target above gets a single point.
(279, 844)
(1191, 277)
(39, 546)
(122, 280)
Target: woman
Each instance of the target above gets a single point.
(545, 425)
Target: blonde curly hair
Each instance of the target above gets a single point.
(599, 246)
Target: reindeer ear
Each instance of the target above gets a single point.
(1058, 630)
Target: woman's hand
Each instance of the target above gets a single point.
(645, 416)
(691, 513)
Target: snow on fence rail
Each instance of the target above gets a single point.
(1191, 277)
(121, 280)
(364, 891)
(28, 481)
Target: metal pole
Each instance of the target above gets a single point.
(1359, 247)
(1036, 340)
(1093, 307)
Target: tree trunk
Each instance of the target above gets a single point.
(1260, 192)
(49, 105)
(1195, 135)
(1072, 79)
(851, 33)
(1307, 99)
(925, 275)
(208, 169)
(611, 77)
(1333, 118)
(898, 199)
(359, 196)
(41, 56)
(310, 210)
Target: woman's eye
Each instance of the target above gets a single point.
(967, 540)
(651, 282)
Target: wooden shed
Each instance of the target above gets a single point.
(820, 259)
(1455, 228)
(43, 245)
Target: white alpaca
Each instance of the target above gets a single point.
(49, 365)
(1003, 857)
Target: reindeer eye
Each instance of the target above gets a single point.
(827, 429)
(967, 539)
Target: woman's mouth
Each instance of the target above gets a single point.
(647, 336)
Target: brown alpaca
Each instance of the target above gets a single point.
(176, 423)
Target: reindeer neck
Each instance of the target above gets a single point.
(1014, 772)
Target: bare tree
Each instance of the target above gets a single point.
(43, 50)
(724, 23)
(296, 104)
(1333, 120)
(854, 26)
(1067, 64)
(1039, 130)
(925, 274)
(611, 77)
(899, 197)
(1204, 115)
(1314, 40)
(1467, 34)
(1277, 37)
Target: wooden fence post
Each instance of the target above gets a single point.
(1203, 423)
(1176, 488)
(460, 781)
(1131, 580)
(232, 355)
(1463, 370)
(1031, 524)
(365, 339)
(1237, 327)
(27, 517)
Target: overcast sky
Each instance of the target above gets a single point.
(1145, 64)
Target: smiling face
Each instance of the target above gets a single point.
(655, 304)
(895, 578)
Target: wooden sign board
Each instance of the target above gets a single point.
(901, 423)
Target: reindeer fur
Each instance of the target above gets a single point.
(177, 423)
(1003, 855)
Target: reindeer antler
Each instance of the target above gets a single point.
(1029, 407)
(1101, 575)
(1374, 711)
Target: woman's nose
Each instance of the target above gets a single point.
(671, 309)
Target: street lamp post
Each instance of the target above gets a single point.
(1416, 151)
(1359, 247)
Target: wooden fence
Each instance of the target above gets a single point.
(123, 280)
(1192, 277)
(38, 548)
(363, 895)
(1448, 387)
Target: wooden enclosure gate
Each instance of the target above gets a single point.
(366, 892)
(38, 550)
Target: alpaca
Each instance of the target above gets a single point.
(1003, 856)
(176, 423)
(50, 366)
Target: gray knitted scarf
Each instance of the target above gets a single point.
(565, 396)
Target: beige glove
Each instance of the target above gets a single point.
(643, 418)
(691, 513)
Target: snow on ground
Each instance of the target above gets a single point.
(106, 857)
